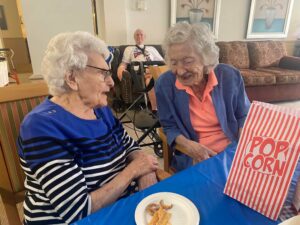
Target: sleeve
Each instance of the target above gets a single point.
(127, 55)
(129, 144)
(51, 162)
(127, 141)
(243, 103)
(166, 109)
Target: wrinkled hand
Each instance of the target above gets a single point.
(143, 163)
(147, 180)
(199, 152)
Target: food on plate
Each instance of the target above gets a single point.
(159, 213)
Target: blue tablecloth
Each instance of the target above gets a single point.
(203, 184)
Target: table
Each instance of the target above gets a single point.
(203, 184)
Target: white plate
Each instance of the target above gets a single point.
(183, 210)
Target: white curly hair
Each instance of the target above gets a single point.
(65, 53)
(199, 36)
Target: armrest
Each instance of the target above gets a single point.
(182, 150)
(290, 62)
(161, 174)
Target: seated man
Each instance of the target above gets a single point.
(140, 53)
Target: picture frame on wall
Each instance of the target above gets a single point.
(197, 11)
(3, 24)
(269, 18)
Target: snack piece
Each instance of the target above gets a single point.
(154, 219)
(161, 202)
(163, 217)
(152, 208)
(159, 213)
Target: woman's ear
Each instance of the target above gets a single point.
(71, 80)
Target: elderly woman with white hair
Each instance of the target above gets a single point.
(202, 105)
(76, 155)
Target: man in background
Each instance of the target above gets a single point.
(139, 53)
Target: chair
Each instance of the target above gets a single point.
(156, 71)
(143, 119)
(15, 103)
(125, 84)
(168, 152)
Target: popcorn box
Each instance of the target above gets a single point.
(266, 157)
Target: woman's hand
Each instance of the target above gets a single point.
(147, 180)
(199, 152)
(194, 149)
(142, 163)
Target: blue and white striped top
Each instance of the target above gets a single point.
(65, 158)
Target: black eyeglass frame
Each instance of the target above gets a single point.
(106, 73)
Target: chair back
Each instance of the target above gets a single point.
(156, 71)
(115, 63)
(15, 103)
(122, 49)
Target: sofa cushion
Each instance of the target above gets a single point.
(283, 76)
(234, 53)
(290, 62)
(256, 78)
(265, 53)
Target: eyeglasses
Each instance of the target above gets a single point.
(106, 73)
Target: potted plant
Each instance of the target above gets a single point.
(270, 7)
(195, 10)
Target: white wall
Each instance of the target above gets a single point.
(121, 18)
(233, 20)
(154, 21)
(45, 18)
(115, 24)
(118, 19)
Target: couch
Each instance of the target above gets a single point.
(269, 74)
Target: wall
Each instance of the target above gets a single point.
(155, 20)
(115, 24)
(45, 18)
(233, 24)
(117, 19)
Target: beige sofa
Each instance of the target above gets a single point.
(269, 74)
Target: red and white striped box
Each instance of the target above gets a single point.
(266, 156)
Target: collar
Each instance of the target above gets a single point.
(211, 83)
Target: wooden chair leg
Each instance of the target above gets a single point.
(166, 151)
(10, 208)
